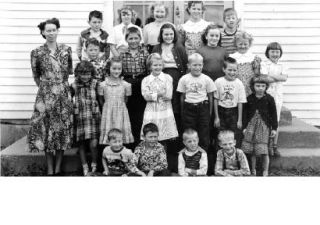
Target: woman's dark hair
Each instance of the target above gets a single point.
(210, 27)
(167, 26)
(273, 46)
(83, 67)
(150, 127)
(131, 30)
(262, 79)
(42, 25)
(97, 14)
(191, 3)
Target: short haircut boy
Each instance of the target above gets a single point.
(228, 12)
(114, 133)
(92, 41)
(97, 14)
(84, 66)
(228, 60)
(195, 56)
(188, 132)
(150, 127)
(133, 30)
(225, 134)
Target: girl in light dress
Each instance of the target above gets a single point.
(248, 63)
(113, 95)
(157, 91)
(277, 74)
(191, 31)
(151, 31)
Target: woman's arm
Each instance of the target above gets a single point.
(35, 67)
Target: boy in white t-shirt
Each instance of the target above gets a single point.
(228, 103)
(197, 99)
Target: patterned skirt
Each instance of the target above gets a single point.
(256, 137)
(161, 114)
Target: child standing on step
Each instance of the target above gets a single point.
(113, 95)
(87, 113)
(260, 123)
(277, 74)
(230, 160)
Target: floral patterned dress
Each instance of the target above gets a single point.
(159, 109)
(115, 113)
(52, 120)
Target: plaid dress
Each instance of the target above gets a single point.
(86, 110)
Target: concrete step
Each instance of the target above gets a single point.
(297, 158)
(16, 160)
(299, 135)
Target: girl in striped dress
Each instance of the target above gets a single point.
(157, 91)
(86, 113)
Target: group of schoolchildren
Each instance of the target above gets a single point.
(217, 99)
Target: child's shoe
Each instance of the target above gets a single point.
(85, 168)
(93, 167)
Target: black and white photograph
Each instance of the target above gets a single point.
(98, 90)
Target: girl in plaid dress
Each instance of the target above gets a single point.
(87, 113)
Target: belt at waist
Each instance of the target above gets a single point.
(198, 103)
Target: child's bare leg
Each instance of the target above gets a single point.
(50, 162)
(94, 154)
(253, 164)
(275, 145)
(265, 165)
(59, 157)
(83, 158)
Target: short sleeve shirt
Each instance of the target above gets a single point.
(230, 93)
(196, 88)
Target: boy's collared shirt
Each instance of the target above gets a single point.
(134, 65)
(232, 163)
(227, 41)
(230, 93)
(196, 88)
(203, 162)
(150, 159)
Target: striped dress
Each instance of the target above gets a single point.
(159, 109)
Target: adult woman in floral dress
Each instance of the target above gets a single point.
(51, 122)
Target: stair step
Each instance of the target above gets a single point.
(299, 135)
(16, 160)
(297, 158)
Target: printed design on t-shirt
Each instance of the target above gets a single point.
(194, 87)
(227, 96)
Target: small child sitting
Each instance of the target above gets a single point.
(192, 160)
(117, 160)
(151, 158)
(230, 160)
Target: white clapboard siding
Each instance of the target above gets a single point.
(19, 34)
(295, 24)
